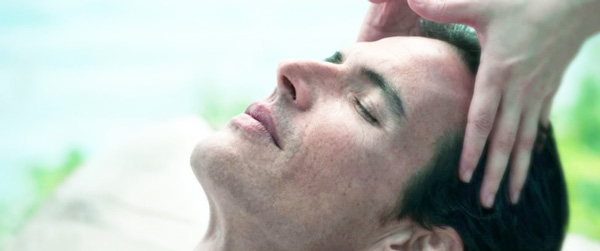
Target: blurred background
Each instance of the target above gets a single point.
(77, 76)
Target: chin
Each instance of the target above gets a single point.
(212, 154)
(232, 170)
(224, 159)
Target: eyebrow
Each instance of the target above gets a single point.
(393, 100)
(336, 58)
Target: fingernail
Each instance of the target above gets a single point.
(489, 201)
(515, 197)
(466, 175)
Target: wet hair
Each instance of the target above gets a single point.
(435, 197)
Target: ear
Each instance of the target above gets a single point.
(419, 238)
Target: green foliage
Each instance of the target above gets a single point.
(579, 147)
(584, 121)
(583, 186)
(45, 178)
(590, 193)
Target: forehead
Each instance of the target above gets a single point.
(428, 74)
(431, 79)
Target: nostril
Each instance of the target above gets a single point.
(288, 85)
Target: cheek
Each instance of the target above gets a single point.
(337, 158)
(333, 178)
(332, 146)
(330, 140)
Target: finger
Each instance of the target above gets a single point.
(448, 11)
(501, 144)
(545, 111)
(522, 151)
(377, 1)
(388, 19)
(482, 112)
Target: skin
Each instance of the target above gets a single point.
(388, 19)
(517, 79)
(336, 173)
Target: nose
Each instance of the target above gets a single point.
(300, 81)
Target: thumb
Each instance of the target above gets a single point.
(448, 11)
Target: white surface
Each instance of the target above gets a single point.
(575, 242)
(138, 195)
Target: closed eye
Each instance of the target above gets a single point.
(365, 113)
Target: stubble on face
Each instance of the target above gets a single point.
(334, 173)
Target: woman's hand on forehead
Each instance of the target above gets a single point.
(526, 46)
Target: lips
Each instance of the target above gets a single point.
(263, 114)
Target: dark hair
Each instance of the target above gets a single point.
(462, 37)
(435, 197)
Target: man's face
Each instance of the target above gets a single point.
(328, 152)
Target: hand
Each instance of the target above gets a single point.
(388, 18)
(526, 46)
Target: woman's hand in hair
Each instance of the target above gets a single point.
(526, 46)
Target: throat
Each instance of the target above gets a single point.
(234, 231)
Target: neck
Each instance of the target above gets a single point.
(229, 230)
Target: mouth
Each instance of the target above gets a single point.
(264, 116)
